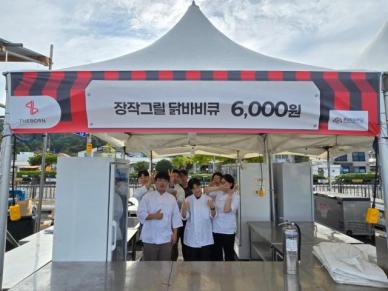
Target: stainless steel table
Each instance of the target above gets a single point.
(159, 276)
(266, 239)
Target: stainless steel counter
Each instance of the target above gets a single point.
(149, 276)
(312, 233)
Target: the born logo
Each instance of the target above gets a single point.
(31, 106)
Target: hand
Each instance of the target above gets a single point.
(158, 215)
(210, 203)
(174, 238)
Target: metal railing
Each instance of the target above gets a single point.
(356, 190)
(32, 190)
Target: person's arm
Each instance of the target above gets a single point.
(185, 210)
(174, 236)
(158, 215)
(143, 214)
(232, 202)
(212, 207)
(210, 189)
(228, 202)
(176, 218)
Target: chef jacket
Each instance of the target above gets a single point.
(225, 223)
(158, 231)
(198, 230)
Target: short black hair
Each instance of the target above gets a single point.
(194, 181)
(184, 172)
(229, 178)
(162, 175)
(176, 171)
(216, 174)
(143, 173)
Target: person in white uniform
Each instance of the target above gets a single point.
(198, 210)
(214, 185)
(159, 213)
(144, 179)
(227, 202)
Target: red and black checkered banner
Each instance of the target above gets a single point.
(339, 103)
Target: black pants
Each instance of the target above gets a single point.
(199, 254)
(184, 247)
(223, 243)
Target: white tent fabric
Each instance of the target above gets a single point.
(194, 44)
(351, 264)
(227, 145)
(374, 57)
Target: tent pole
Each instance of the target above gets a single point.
(6, 152)
(151, 162)
(268, 159)
(328, 167)
(43, 164)
(41, 183)
(383, 150)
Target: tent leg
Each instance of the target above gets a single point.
(6, 152)
(328, 167)
(41, 183)
(383, 150)
(268, 159)
(151, 160)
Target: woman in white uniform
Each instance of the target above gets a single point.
(198, 210)
(227, 202)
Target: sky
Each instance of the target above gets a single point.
(324, 33)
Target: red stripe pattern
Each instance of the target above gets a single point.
(338, 90)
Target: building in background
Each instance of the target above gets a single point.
(355, 162)
(319, 167)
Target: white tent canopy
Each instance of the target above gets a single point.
(227, 145)
(195, 44)
(375, 55)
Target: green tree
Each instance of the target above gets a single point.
(36, 160)
(181, 162)
(202, 159)
(163, 166)
(259, 159)
(301, 159)
(140, 166)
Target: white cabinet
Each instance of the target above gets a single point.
(91, 210)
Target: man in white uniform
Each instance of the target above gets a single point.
(159, 213)
(143, 178)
